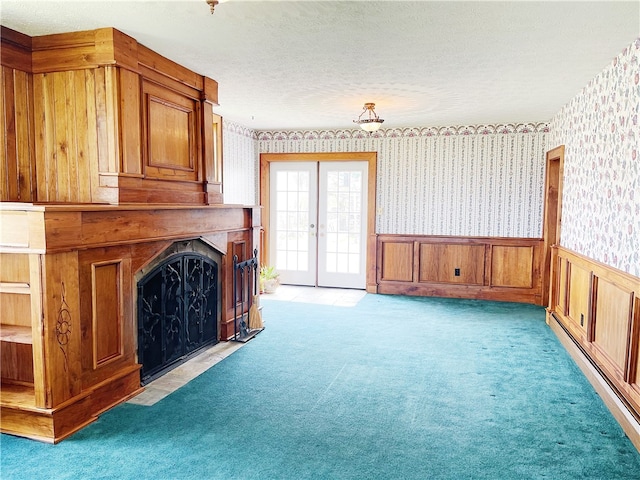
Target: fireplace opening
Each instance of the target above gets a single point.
(178, 308)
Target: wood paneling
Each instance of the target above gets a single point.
(62, 333)
(579, 296)
(73, 51)
(562, 285)
(14, 268)
(239, 243)
(16, 151)
(66, 141)
(20, 307)
(16, 361)
(460, 267)
(107, 306)
(96, 110)
(212, 158)
(107, 317)
(512, 266)
(130, 118)
(397, 261)
(452, 263)
(612, 323)
(169, 126)
(606, 301)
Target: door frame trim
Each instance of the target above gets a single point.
(552, 216)
(265, 195)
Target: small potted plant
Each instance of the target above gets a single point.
(268, 278)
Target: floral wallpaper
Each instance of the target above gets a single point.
(600, 129)
(484, 180)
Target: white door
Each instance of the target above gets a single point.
(293, 207)
(342, 224)
(319, 222)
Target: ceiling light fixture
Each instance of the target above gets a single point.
(372, 121)
(212, 4)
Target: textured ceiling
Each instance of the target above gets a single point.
(305, 64)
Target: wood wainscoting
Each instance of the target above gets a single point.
(597, 307)
(488, 268)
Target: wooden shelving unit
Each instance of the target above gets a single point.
(16, 334)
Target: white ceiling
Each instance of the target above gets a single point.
(313, 64)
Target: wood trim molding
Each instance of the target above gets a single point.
(552, 216)
(15, 49)
(370, 157)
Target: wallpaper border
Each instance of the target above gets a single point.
(407, 132)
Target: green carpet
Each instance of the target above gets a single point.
(395, 388)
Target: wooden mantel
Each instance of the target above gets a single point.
(68, 332)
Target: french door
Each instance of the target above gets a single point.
(318, 222)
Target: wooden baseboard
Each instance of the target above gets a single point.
(52, 425)
(472, 292)
(616, 405)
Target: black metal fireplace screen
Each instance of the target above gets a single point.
(177, 312)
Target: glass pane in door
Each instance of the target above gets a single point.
(293, 218)
(342, 229)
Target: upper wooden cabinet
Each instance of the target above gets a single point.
(95, 117)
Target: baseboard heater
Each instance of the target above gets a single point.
(622, 411)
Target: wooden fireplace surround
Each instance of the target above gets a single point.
(112, 153)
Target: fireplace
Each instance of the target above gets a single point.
(145, 149)
(178, 306)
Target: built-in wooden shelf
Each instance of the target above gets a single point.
(16, 288)
(18, 396)
(16, 334)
